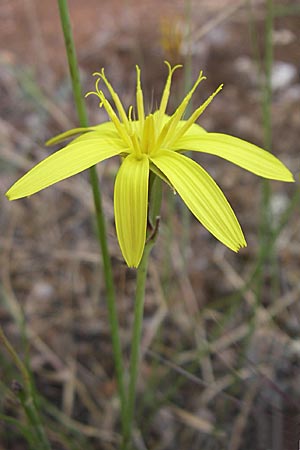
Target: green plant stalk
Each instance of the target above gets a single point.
(101, 227)
(26, 396)
(267, 92)
(266, 257)
(155, 195)
(288, 10)
(16, 423)
(293, 204)
(135, 342)
(266, 222)
(185, 212)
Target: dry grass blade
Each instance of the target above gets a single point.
(241, 420)
(193, 421)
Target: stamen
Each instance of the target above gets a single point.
(115, 98)
(166, 92)
(91, 93)
(130, 113)
(136, 146)
(148, 138)
(192, 119)
(97, 85)
(139, 99)
(161, 137)
(97, 92)
(170, 127)
(114, 118)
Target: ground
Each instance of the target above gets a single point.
(221, 348)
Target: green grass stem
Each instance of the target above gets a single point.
(266, 220)
(100, 220)
(185, 212)
(26, 396)
(155, 196)
(135, 343)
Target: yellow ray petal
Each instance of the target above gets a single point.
(162, 124)
(110, 136)
(193, 130)
(131, 204)
(202, 196)
(103, 127)
(70, 160)
(242, 153)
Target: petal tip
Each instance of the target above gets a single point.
(286, 175)
(8, 195)
(49, 142)
(239, 244)
(11, 195)
(242, 245)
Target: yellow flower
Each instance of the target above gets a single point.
(154, 142)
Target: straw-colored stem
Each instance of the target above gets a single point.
(100, 221)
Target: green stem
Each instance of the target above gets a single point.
(101, 227)
(266, 220)
(135, 343)
(26, 396)
(185, 212)
(155, 197)
(72, 61)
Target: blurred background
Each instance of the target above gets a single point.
(221, 343)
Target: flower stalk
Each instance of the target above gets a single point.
(100, 221)
(155, 197)
(135, 343)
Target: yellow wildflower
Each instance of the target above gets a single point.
(154, 142)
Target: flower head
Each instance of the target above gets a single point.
(153, 142)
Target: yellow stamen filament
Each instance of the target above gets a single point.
(148, 138)
(139, 99)
(176, 117)
(97, 92)
(130, 112)
(166, 93)
(136, 146)
(192, 119)
(161, 137)
(114, 118)
(115, 98)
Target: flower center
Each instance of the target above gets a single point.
(146, 135)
